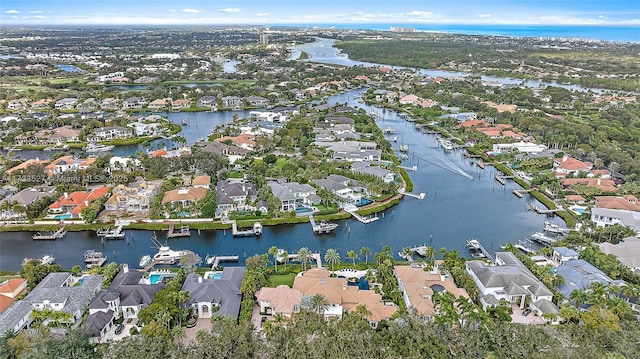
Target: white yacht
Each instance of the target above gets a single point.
(168, 255)
(145, 260)
(97, 147)
(45, 260)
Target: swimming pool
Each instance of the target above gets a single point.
(155, 278)
(578, 209)
(63, 216)
(214, 275)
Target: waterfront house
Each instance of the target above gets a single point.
(293, 195)
(208, 102)
(418, 286)
(125, 297)
(569, 165)
(136, 197)
(19, 201)
(215, 296)
(145, 129)
(133, 103)
(159, 104)
(57, 136)
(110, 103)
(180, 104)
(563, 254)
(109, 133)
(626, 202)
(245, 140)
(10, 290)
(507, 279)
(343, 298)
(232, 102)
(60, 292)
(68, 163)
(184, 197)
(377, 169)
(257, 101)
(73, 203)
(279, 300)
(343, 187)
(604, 184)
(235, 195)
(231, 152)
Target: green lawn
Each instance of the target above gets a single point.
(278, 279)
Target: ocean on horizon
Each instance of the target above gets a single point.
(589, 32)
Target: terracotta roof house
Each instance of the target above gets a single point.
(73, 203)
(125, 297)
(279, 300)
(201, 181)
(566, 165)
(343, 297)
(418, 286)
(159, 104)
(628, 202)
(58, 135)
(60, 292)
(224, 293)
(11, 289)
(184, 196)
(604, 184)
(25, 164)
(180, 104)
(244, 140)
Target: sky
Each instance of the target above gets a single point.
(325, 12)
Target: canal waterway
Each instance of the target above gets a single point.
(455, 209)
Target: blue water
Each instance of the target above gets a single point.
(63, 216)
(608, 33)
(69, 68)
(215, 275)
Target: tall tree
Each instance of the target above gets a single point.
(332, 257)
(304, 255)
(365, 252)
(273, 250)
(353, 256)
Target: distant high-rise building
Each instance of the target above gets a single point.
(264, 38)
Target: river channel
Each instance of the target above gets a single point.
(455, 208)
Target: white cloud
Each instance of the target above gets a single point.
(192, 11)
(36, 12)
(421, 14)
(261, 14)
(230, 9)
(12, 12)
(40, 17)
(171, 10)
(484, 16)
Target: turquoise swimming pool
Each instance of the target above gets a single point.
(215, 275)
(63, 216)
(155, 278)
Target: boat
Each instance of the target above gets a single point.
(94, 258)
(146, 259)
(167, 255)
(97, 147)
(184, 122)
(44, 260)
(475, 248)
(404, 148)
(395, 139)
(553, 228)
(473, 243)
(111, 233)
(389, 130)
(542, 238)
(325, 227)
(257, 228)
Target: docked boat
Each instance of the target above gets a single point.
(404, 148)
(544, 239)
(44, 260)
(111, 233)
(94, 258)
(97, 147)
(325, 227)
(257, 229)
(553, 228)
(144, 261)
(395, 139)
(446, 144)
(167, 255)
(473, 243)
(475, 248)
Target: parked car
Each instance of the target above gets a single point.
(263, 319)
(119, 329)
(526, 312)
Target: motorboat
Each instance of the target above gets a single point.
(145, 260)
(168, 255)
(97, 147)
(44, 260)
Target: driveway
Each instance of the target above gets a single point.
(532, 318)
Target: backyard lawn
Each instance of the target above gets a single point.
(278, 279)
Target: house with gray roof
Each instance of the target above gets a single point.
(235, 195)
(210, 297)
(579, 274)
(508, 279)
(126, 296)
(22, 199)
(377, 169)
(59, 292)
(293, 194)
(607, 217)
(343, 187)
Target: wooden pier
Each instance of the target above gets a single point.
(60, 233)
(503, 179)
(525, 245)
(182, 232)
(314, 256)
(226, 258)
(365, 220)
(520, 192)
(256, 230)
(543, 239)
(538, 210)
(404, 192)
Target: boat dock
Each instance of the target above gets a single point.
(477, 250)
(365, 220)
(182, 232)
(538, 210)
(215, 260)
(520, 192)
(413, 168)
(60, 233)
(314, 256)
(543, 239)
(323, 227)
(115, 233)
(503, 179)
(256, 230)
(403, 192)
(525, 245)
(93, 258)
(554, 228)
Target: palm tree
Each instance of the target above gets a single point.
(319, 303)
(362, 311)
(365, 252)
(304, 255)
(629, 291)
(578, 296)
(353, 256)
(273, 250)
(332, 256)
(598, 294)
(430, 254)
(285, 258)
